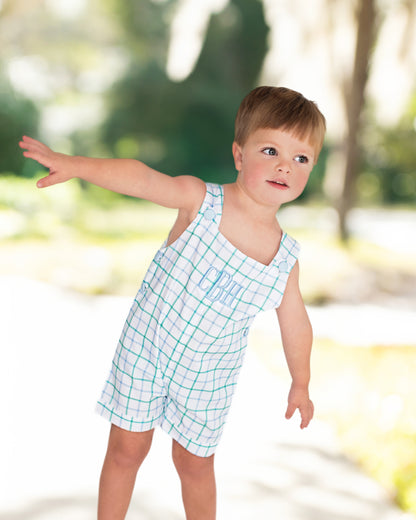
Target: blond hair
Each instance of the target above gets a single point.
(280, 108)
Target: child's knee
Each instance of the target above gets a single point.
(189, 465)
(127, 448)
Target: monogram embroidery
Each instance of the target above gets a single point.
(220, 286)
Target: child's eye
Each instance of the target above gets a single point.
(270, 151)
(302, 159)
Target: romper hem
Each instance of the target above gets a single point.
(117, 418)
(133, 425)
(190, 445)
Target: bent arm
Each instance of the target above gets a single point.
(126, 176)
(297, 336)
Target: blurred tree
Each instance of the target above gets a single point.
(349, 166)
(354, 102)
(144, 29)
(18, 116)
(390, 160)
(60, 57)
(353, 89)
(186, 127)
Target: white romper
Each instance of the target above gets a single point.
(183, 343)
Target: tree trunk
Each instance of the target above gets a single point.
(354, 102)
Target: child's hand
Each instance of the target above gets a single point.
(61, 166)
(299, 399)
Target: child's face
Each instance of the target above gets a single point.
(273, 165)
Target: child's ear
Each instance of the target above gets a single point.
(238, 155)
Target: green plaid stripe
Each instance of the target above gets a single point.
(184, 341)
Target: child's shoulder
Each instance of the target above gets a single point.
(193, 192)
(197, 191)
(193, 188)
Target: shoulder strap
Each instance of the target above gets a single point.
(211, 208)
(288, 253)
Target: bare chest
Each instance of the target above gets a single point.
(254, 240)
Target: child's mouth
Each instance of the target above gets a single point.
(281, 185)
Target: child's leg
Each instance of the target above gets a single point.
(125, 453)
(198, 483)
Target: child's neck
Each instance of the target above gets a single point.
(242, 199)
(249, 226)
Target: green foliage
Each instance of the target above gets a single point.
(18, 116)
(187, 127)
(313, 188)
(144, 28)
(389, 173)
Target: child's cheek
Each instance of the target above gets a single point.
(303, 181)
(253, 175)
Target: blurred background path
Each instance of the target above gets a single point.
(59, 346)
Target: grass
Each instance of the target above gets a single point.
(92, 242)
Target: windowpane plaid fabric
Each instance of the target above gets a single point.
(183, 343)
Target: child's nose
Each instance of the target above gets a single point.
(283, 166)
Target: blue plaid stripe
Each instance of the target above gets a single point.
(184, 340)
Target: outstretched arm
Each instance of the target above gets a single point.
(126, 176)
(296, 334)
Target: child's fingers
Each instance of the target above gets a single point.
(44, 182)
(29, 141)
(39, 157)
(33, 145)
(291, 408)
(306, 414)
(304, 423)
(49, 180)
(36, 150)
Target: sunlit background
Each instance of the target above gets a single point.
(160, 81)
